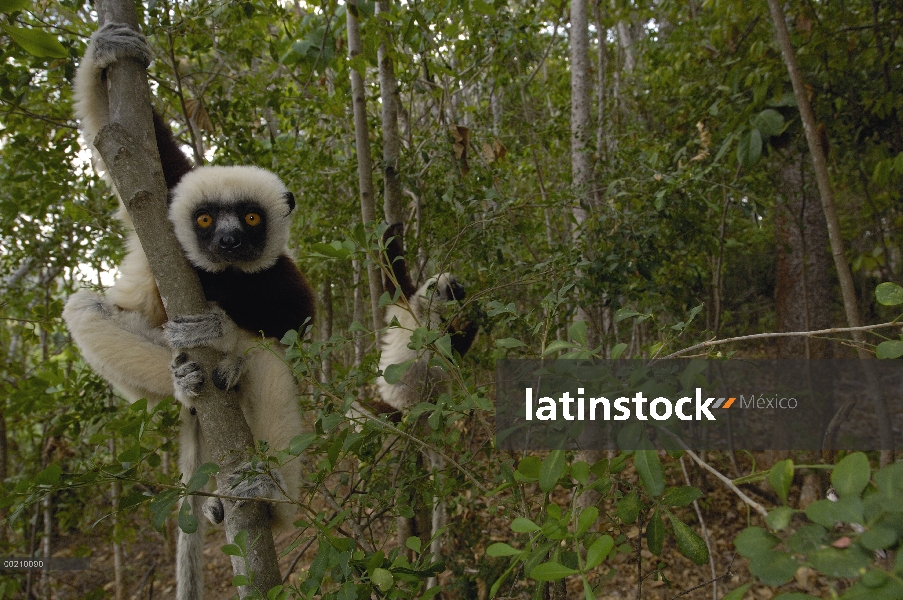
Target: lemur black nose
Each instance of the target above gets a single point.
(229, 242)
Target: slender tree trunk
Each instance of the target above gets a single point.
(844, 275)
(364, 163)
(128, 147)
(47, 542)
(581, 123)
(803, 264)
(325, 317)
(391, 102)
(358, 314)
(115, 490)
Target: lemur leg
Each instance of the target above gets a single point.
(121, 346)
(270, 405)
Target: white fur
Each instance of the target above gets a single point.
(226, 186)
(120, 334)
(418, 382)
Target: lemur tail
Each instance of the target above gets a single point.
(189, 558)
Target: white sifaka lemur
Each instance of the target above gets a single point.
(423, 307)
(426, 306)
(233, 225)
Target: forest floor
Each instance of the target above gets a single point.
(148, 570)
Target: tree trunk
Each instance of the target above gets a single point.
(803, 286)
(325, 317)
(388, 89)
(128, 147)
(364, 163)
(844, 275)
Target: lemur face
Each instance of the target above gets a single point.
(443, 288)
(230, 233)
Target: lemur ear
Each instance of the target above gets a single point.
(290, 200)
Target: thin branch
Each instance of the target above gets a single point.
(724, 479)
(778, 334)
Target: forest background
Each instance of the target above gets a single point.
(609, 179)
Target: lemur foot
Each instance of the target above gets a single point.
(117, 41)
(214, 329)
(213, 510)
(248, 481)
(188, 377)
(227, 373)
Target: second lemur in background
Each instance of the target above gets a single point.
(233, 224)
(426, 306)
(418, 307)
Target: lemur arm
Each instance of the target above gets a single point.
(121, 346)
(393, 239)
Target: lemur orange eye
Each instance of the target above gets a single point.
(252, 219)
(204, 220)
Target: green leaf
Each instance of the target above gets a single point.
(617, 350)
(161, 505)
(394, 373)
(851, 475)
(738, 593)
(551, 571)
(577, 332)
(750, 148)
(878, 537)
(681, 496)
(529, 467)
(781, 478)
(522, 525)
(552, 469)
(753, 541)
(508, 343)
(889, 349)
(586, 519)
(773, 568)
(501, 549)
(655, 533)
(769, 122)
(625, 313)
(413, 543)
(334, 249)
(780, 517)
(598, 550)
(835, 562)
(691, 545)
(240, 580)
(444, 346)
(580, 472)
(231, 550)
(629, 508)
(187, 521)
(11, 6)
(794, 596)
(49, 476)
(558, 345)
(383, 579)
(201, 476)
(300, 443)
(649, 467)
(889, 294)
(37, 42)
